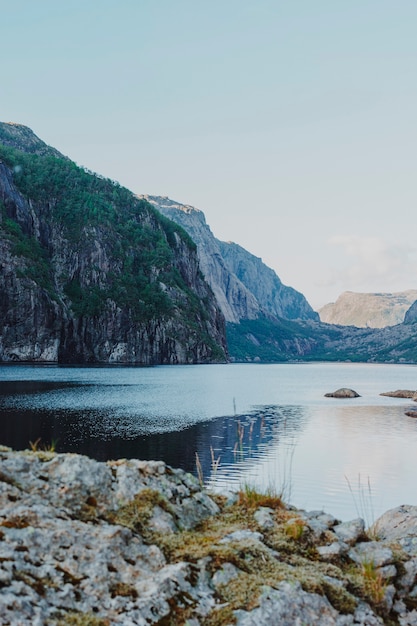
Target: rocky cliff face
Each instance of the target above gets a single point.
(89, 273)
(244, 286)
(411, 315)
(273, 297)
(368, 310)
(235, 300)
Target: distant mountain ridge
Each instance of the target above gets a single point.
(368, 310)
(244, 286)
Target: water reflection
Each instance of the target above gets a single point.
(237, 441)
(267, 425)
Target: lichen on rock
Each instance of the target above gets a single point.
(140, 543)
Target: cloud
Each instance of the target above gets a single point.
(372, 264)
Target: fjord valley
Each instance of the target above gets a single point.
(92, 273)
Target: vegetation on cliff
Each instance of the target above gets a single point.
(94, 249)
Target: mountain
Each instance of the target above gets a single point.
(368, 310)
(244, 286)
(273, 297)
(269, 322)
(411, 314)
(90, 273)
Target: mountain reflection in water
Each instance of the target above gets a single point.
(263, 425)
(236, 439)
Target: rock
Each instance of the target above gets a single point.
(410, 619)
(343, 392)
(225, 574)
(400, 525)
(242, 535)
(335, 549)
(289, 604)
(350, 532)
(135, 543)
(399, 393)
(371, 552)
(411, 315)
(244, 286)
(411, 413)
(264, 517)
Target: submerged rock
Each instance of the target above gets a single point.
(343, 392)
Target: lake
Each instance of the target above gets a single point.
(269, 426)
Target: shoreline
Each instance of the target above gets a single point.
(138, 542)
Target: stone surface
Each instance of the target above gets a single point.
(399, 393)
(398, 523)
(288, 605)
(83, 540)
(371, 552)
(350, 532)
(343, 392)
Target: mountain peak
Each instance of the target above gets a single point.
(23, 138)
(165, 203)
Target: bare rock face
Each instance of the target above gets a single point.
(411, 314)
(235, 300)
(244, 286)
(368, 310)
(275, 298)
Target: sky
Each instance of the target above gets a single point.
(291, 124)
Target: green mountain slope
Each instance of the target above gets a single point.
(90, 273)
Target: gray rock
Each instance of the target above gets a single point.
(225, 574)
(67, 564)
(343, 392)
(408, 619)
(242, 535)
(350, 532)
(398, 523)
(409, 578)
(371, 552)
(289, 605)
(332, 551)
(399, 393)
(388, 571)
(264, 517)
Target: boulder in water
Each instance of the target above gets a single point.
(399, 393)
(344, 392)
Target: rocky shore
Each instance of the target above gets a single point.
(137, 543)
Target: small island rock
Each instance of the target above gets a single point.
(399, 393)
(344, 392)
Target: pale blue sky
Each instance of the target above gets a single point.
(291, 124)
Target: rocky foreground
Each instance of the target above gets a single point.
(136, 543)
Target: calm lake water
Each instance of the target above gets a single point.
(270, 425)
